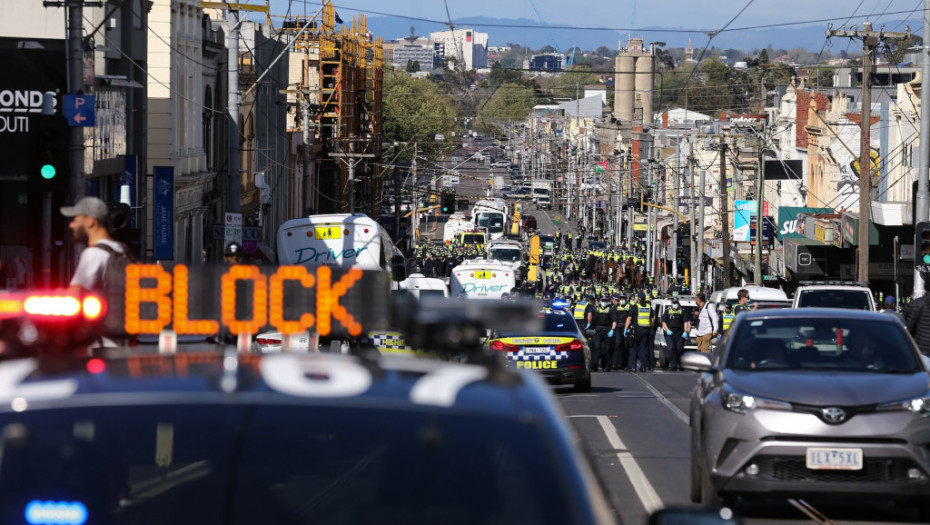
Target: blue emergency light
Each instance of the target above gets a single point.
(56, 513)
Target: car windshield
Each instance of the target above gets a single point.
(804, 343)
(505, 254)
(278, 464)
(851, 299)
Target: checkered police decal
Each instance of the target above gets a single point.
(521, 356)
(388, 341)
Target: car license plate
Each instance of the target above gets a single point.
(536, 350)
(322, 233)
(834, 458)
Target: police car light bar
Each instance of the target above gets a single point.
(64, 305)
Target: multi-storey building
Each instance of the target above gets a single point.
(466, 46)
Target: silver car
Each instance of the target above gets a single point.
(811, 403)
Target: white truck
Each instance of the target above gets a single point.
(457, 222)
(493, 214)
(542, 193)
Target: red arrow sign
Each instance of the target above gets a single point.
(79, 118)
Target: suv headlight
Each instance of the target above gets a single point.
(739, 402)
(919, 405)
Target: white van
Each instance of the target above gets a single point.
(420, 286)
(506, 251)
(758, 295)
(482, 279)
(492, 214)
(340, 239)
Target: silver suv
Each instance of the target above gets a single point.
(811, 403)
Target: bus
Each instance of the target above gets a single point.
(481, 279)
(342, 240)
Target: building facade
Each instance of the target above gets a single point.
(465, 46)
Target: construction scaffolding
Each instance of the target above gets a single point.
(340, 79)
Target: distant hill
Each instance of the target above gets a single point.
(809, 37)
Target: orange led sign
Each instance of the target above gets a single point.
(249, 299)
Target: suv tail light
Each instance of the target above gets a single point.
(571, 346)
(264, 341)
(503, 347)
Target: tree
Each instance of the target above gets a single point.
(413, 66)
(764, 57)
(509, 102)
(822, 76)
(415, 110)
(570, 82)
(547, 49)
(895, 49)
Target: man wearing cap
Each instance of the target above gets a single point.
(889, 307)
(89, 226)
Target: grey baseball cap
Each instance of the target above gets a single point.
(90, 206)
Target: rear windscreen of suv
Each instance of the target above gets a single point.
(850, 299)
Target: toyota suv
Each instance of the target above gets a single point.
(854, 297)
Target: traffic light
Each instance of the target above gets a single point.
(922, 239)
(47, 168)
(448, 202)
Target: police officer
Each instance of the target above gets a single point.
(676, 329)
(581, 308)
(604, 327)
(726, 318)
(639, 323)
(621, 313)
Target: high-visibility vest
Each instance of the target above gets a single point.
(727, 321)
(579, 309)
(643, 315)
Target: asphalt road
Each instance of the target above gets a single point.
(634, 428)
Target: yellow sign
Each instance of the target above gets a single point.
(640, 227)
(482, 274)
(874, 160)
(538, 365)
(327, 232)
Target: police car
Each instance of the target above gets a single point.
(289, 438)
(559, 352)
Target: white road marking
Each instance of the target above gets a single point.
(664, 400)
(644, 490)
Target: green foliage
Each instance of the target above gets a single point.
(570, 82)
(416, 110)
(413, 66)
(764, 57)
(895, 49)
(822, 77)
(510, 102)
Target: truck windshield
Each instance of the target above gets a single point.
(505, 254)
(493, 221)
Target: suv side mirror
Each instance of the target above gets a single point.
(696, 362)
(398, 268)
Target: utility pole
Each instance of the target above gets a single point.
(233, 197)
(414, 219)
(922, 205)
(760, 216)
(351, 159)
(870, 40)
(699, 274)
(307, 190)
(724, 212)
(629, 205)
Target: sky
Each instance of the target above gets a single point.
(629, 14)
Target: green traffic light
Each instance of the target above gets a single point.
(47, 171)
(926, 258)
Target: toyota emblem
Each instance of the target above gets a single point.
(834, 415)
(536, 340)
